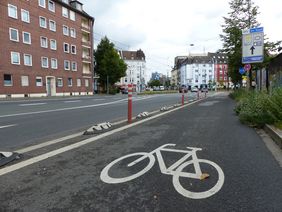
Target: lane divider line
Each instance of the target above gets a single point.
(53, 153)
(11, 125)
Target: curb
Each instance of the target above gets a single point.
(274, 134)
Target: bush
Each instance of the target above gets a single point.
(275, 104)
(253, 109)
(238, 94)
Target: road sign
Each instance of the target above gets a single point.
(252, 45)
(247, 67)
(242, 70)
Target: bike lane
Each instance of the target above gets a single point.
(71, 181)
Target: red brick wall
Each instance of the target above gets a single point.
(6, 46)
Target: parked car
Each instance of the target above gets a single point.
(194, 89)
(149, 89)
(204, 89)
(183, 87)
(162, 88)
(124, 90)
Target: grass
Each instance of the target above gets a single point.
(157, 92)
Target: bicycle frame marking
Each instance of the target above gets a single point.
(176, 169)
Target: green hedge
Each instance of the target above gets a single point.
(259, 108)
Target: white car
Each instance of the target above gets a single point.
(194, 89)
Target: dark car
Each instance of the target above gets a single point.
(124, 90)
(183, 87)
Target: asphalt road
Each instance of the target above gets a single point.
(77, 180)
(24, 123)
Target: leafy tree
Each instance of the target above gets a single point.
(154, 83)
(243, 15)
(109, 66)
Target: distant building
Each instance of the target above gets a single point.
(46, 48)
(136, 69)
(195, 70)
(220, 69)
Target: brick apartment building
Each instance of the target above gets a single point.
(46, 48)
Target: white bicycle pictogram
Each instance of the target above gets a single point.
(176, 169)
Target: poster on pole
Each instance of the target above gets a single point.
(252, 45)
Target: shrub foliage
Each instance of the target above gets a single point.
(258, 108)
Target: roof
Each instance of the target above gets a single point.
(132, 55)
(83, 13)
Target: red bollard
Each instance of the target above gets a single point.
(182, 97)
(129, 114)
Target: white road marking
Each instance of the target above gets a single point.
(98, 99)
(72, 101)
(61, 109)
(32, 104)
(48, 143)
(11, 125)
(39, 158)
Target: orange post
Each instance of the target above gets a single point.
(129, 114)
(182, 97)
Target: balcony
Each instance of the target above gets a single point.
(86, 43)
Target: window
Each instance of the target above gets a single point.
(15, 58)
(42, 3)
(73, 49)
(53, 44)
(12, 11)
(67, 64)
(65, 1)
(14, 34)
(51, 6)
(59, 82)
(78, 82)
(44, 62)
(65, 30)
(66, 47)
(25, 16)
(86, 82)
(43, 42)
(39, 81)
(72, 15)
(52, 25)
(72, 33)
(69, 82)
(8, 80)
(27, 60)
(26, 38)
(74, 66)
(54, 63)
(65, 12)
(24, 80)
(42, 22)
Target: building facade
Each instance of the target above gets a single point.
(136, 69)
(209, 69)
(46, 48)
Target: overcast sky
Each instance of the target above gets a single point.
(164, 29)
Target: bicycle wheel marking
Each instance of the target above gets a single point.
(176, 170)
(105, 172)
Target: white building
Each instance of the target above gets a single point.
(136, 69)
(197, 70)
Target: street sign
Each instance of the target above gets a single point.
(252, 45)
(247, 67)
(242, 70)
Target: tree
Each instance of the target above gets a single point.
(109, 66)
(154, 83)
(243, 15)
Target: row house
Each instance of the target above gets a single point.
(136, 69)
(195, 70)
(46, 48)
